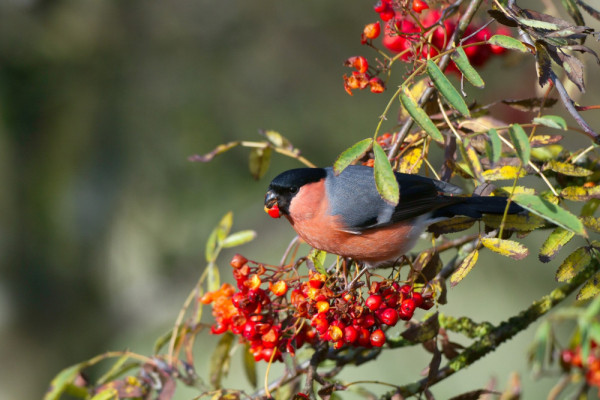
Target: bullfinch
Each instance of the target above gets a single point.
(345, 215)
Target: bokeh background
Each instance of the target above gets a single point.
(104, 220)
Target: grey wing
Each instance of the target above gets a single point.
(356, 200)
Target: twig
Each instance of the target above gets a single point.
(500, 334)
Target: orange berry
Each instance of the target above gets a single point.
(278, 288)
(372, 31)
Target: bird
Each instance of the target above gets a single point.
(345, 214)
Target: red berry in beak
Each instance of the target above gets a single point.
(273, 211)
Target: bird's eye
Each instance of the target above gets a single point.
(293, 189)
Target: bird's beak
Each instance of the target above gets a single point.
(271, 206)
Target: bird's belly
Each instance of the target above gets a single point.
(373, 246)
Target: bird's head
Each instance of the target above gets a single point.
(286, 185)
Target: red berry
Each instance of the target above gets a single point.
(387, 14)
(389, 316)
(419, 5)
(376, 85)
(368, 321)
(350, 334)
(249, 331)
(418, 299)
(407, 308)
(373, 302)
(273, 211)
(372, 31)
(358, 62)
(381, 6)
(364, 337)
(406, 290)
(238, 261)
(377, 338)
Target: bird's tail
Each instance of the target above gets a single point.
(476, 206)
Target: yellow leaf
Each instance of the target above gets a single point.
(474, 163)
(591, 288)
(464, 268)
(592, 223)
(557, 239)
(514, 222)
(573, 264)
(566, 169)
(503, 173)
(580, 193)
(508, 248)
(518, 189)
(411, 161)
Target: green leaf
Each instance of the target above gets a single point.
(591, 288)
(317, 257)
(551, 212)
(220, 359)
(546, 153)
(557, 239)
(259, 161)
(573, 11)
(508, 248)
(446, 88)
(508, 43)
(62, 380)
(464, 268)
(521, 142)
(574, 264)
(507, 172)
(108, 393)
(464, 66)
(419, 115)
(211, 247)
(224, 226)
(351, 154)
(566, 169)
(114, 371)
(385, 179)
(214, 280)
(537, 24)
(249, 365)
(494, 146)
(551, 121)
(238, 238)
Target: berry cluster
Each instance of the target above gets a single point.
(254, 313)
(414, 37)
(319, 309)
(360, 78)
(573, 359)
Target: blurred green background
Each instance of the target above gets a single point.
(104, 220)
